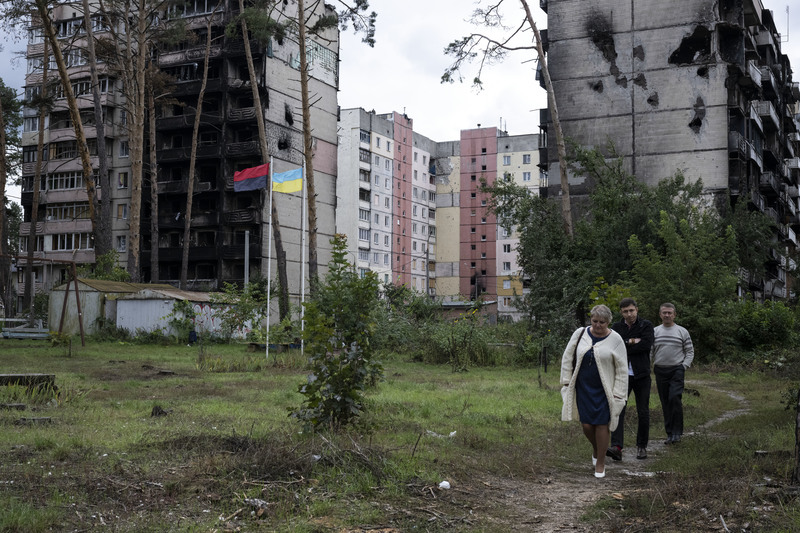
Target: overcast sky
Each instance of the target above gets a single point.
(403, 71)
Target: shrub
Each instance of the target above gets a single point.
(761, 325)
(460, 342)
(340, 324)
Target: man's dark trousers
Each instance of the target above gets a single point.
(641, 391)
(669, 382)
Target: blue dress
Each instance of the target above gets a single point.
(590, 394)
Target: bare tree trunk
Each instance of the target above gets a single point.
(74, 112)
(102, 237)
(187, 222)
(566, 204)
(37, 178)
(4, 259)
(136, 63)
(313, 268)
(2, 175)
(154, 274)
(280, 253)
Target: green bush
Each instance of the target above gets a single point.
(403, 318)
(764, 324)
(340, 324)
(460, 343)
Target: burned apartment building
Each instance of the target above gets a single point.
(702, 88)
(228, 141)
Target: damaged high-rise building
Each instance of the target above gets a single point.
(229, 231)
(702, 88)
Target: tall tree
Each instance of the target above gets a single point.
(365, 23)
(10, 120)
(43, 102)
(151, 111)
(10, 248)
(280, 252)
(44, 13)
(263, 26)
(490, 49)
(133, 26)
(102, 237)
(187, 221)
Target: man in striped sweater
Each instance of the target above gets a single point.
(672, 354)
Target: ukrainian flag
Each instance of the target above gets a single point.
(289, 181)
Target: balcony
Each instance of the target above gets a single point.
(196, 54)
(236, 48)
(757, 200)
(737, 143)
(790, 204)
(176, 122)
(242, 149)
(755, 155)
(765, 38)
(767, 112)
(791, 235)
(768, 81)
(192, 87)
(242, 216)
(756, 118)
(752, 77)
(793, 163)
(242, 114)
(771, 214)
(205, 219)
(236, 251)
(172, 187)
(794, 87)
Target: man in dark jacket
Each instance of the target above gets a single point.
(638, 336)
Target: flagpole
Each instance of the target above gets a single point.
(269, 256)
(302, 260)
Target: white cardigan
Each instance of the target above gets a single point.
(612, 365)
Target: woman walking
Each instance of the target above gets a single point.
(594, 379)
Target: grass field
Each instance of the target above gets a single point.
(174, 438)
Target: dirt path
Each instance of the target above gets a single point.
(556, 503)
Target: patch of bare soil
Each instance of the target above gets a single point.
(557, 501)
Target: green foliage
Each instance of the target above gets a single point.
(460, 343)
(108, 331)
(403, 316)
(263, 27)
(238, 306)
(12, 119)
(696, 270)
(767, 324)
(60, 339)
(41, 306)
(609, 295)
(181, 319)
(657, 244)
(546, 255)
(340, 325)
(14, 219)
(106, 267)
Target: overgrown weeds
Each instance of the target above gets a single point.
(225, 448)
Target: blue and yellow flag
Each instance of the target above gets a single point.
(289, 181)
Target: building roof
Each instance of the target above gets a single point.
(102, 285)
(155, 292)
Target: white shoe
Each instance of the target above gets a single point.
(600, 474)
(594, 461)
